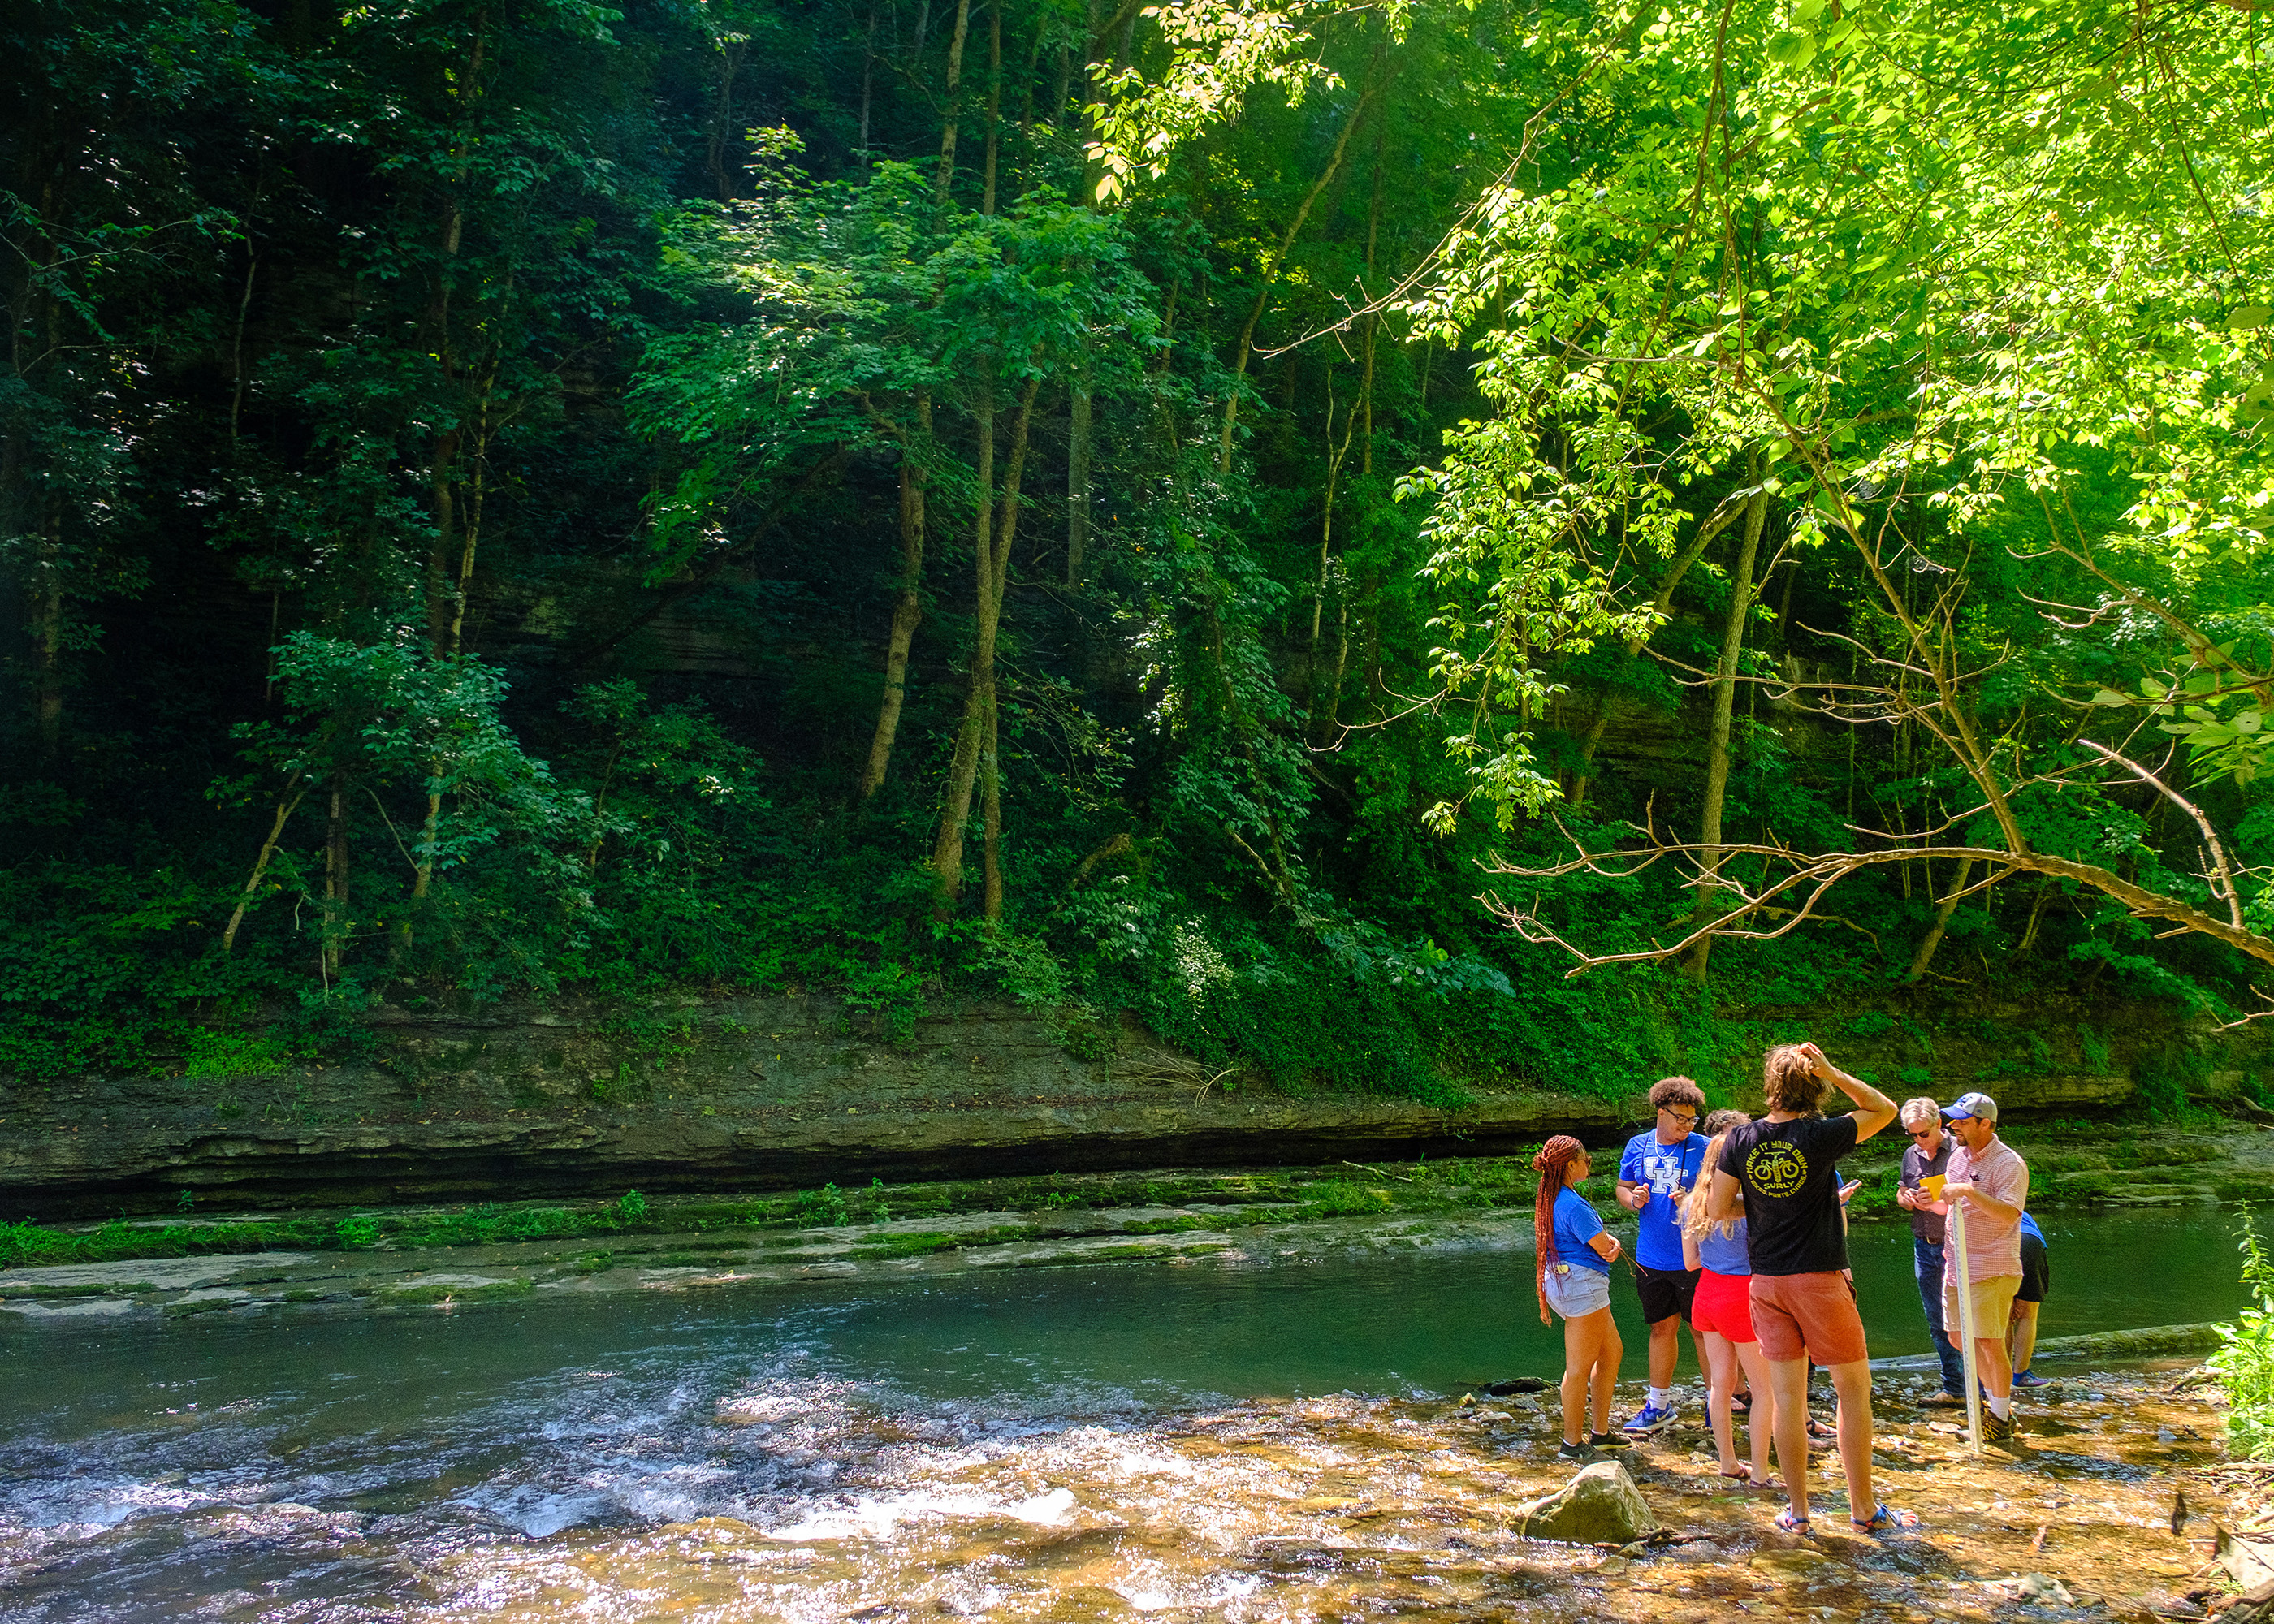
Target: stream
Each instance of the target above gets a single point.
(1214, 1438)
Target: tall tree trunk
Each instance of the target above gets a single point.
(868, 74)
(335, 881)
(1373, 235)
(1949, 905)
(948, 125)
(1078, 430)
(1667, 585)
(1335, 456)
(994, 105)
(907, 612)
(237, 345)
(1717, 740)
(947, 851)
(722, 115)
(452, 643)
(284, 810)
(990, 769)
(994, 569)
(1270, 274)
(48, 653)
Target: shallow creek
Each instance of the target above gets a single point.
(1264, 1433)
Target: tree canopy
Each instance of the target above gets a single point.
(1302, 524)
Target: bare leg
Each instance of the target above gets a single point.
(1853, 1383)
(1610, 1348)
(1578, 1355)
(1762, 1420)
(1720, 1376)
(2021, 1337)
(1664, 1349)
(1788, 1384)
(1997, 1374)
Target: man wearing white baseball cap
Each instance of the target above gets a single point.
(1994, 1184)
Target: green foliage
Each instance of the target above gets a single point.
(2162, 1079)
(462, 545)
(823, 1206)
(2245, 1360)
(234, 1054)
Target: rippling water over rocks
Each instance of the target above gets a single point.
(1225, 1436)
(684, 1493)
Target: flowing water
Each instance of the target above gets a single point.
(1239, 1438)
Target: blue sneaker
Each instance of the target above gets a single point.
(1650, 1418)
(2030, 1378)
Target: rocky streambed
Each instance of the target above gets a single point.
(1145, 1409)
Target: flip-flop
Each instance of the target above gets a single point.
(1883, 1520)
(1787, 1524)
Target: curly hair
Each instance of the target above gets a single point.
(1676, 1091)
(1788, 1080)
(1558, 1153)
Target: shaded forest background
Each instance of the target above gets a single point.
(508, 498)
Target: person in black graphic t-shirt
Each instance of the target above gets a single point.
(1803, 1307)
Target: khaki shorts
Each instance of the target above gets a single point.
(1993, 1304)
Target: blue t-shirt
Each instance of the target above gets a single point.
(1724, 1254)
(2029, 1227)
(1576, 1224)
(1669, 1170)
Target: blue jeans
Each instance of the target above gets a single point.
(1926, 1259)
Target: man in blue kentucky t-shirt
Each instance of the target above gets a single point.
(1658, 1169)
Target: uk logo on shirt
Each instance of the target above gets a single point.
(1664, 1172)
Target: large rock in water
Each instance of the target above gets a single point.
(1601, 1505)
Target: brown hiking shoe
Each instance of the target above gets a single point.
(1996, 1429)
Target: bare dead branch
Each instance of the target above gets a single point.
(2221, 877)
(2263, 997)
(1816, 874)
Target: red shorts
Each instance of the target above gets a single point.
(1724, 1304)
(1808, 1316)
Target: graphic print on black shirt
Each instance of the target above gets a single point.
(1792, 1192)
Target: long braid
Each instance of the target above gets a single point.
(1557, 1154)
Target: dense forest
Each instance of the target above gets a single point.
(1303, 522)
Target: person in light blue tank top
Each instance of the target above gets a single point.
(1721, 1319)
(1724, 1254)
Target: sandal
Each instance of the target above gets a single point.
(1883, 1519)
(1822, 1429)
(1787, 1524)
(1738, 1406)
(1743, 1474)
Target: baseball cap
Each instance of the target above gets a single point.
(1968, 1105)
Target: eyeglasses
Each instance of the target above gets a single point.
(1685, 1117)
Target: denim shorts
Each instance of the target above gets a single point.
(1576, 1291)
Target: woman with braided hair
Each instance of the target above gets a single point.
(1574, 1278)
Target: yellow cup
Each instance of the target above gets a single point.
(1933, 1184)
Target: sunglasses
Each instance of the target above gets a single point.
(1921, 1133)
